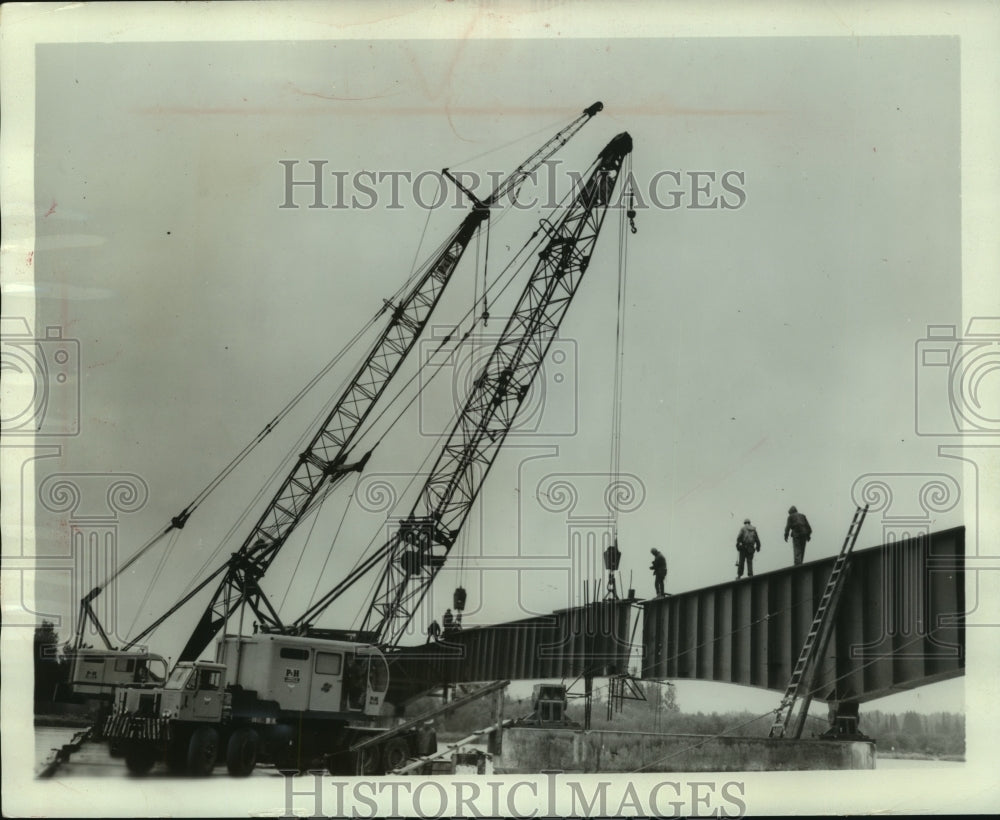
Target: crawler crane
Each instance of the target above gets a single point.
(293, 694)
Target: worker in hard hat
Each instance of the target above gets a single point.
(798, 527)
(747, 543)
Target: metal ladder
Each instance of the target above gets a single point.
(819, 632)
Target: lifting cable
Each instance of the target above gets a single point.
(486, 261)
(265, 488)
(302, 552)
(547, 129)
(511, 276)
(201, 497)
(309, 430)
(432, 451)
(336, 535)
(420, 244)
(178, 521)
(266, 485)
(434, 446)
(614, 471)
(173, 538)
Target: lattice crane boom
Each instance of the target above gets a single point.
(415, 553)
(327, 457)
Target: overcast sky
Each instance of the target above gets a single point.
(769, 347)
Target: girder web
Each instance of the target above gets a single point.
(900, 624)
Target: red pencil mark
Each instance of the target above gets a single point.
(31, 256)
(52, 209)
(341, 98)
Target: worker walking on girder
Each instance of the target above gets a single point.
(798, 526)
(747, 542)
(659, 568)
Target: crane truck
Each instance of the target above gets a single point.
(294, 694)
(95, 674)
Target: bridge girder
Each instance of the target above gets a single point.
(900, 623)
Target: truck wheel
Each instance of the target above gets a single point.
(140, 759)
(175, 755)
(395, 753)
(241, 752)
(202, 751)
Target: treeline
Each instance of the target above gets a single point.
(655, 709)
(51, 667)
(937, 734)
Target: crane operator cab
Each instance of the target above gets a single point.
(308, 674)
(97, 673)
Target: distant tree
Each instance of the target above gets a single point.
(50, 667)
(661, 696)
(913, 723)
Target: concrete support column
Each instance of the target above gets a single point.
(844, 716)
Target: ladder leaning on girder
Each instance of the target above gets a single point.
(818, 637)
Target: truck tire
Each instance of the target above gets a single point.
(175, 755)
(203, 749)
(279, 747)
(139, 759)
(241, 752)
(395, 753)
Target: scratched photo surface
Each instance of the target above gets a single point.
(767, 310)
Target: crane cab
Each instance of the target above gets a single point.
(322, 676)
(97, 673)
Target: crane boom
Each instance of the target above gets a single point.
(326, 457)
(417, 550)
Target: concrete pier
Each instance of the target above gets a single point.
(531, 750)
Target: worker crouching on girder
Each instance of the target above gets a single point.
(659, 568)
